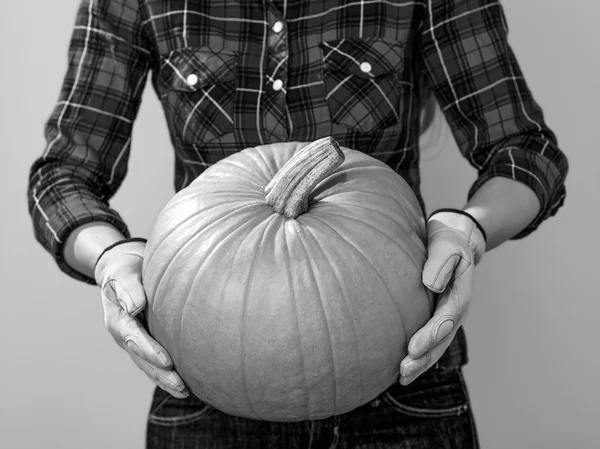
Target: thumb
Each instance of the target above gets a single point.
(442, 259)
(130, 294)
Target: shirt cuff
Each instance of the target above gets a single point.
(533, 170)
(57, 234)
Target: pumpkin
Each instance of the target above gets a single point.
(285, 281)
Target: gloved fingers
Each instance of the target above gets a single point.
(450, 308)
(411, 369)
(443, 258)
(127, 292)
(448, 256)
(139, 341)
(130, 334)
(113, 314)
(168, 380)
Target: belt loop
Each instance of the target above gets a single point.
(336, 431)
(312, 432)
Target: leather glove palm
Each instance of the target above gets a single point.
(456, 243)
(118, 272)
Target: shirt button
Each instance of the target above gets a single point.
(192, 79)
(365, 67)
(277, 84)
(277, 26)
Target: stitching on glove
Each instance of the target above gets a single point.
(469, 261)
(136, 341)
(456, 301)
(441, 320)
(433, 287)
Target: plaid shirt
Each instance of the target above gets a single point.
(231, 75)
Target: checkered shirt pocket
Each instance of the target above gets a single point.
(197, 87)
(362, 79)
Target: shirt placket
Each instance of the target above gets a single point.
(277, 118)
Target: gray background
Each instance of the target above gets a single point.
(532, 327)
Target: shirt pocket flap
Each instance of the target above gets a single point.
(193, 68)
(365, 58)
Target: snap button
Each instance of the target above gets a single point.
(192, 79)
(365, 67)
(277, 84)
(277, 26)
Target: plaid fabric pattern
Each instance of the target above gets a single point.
(359, 99)
(231, 75)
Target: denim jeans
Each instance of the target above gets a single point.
(432, 412)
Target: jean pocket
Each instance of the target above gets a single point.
(167, 410)
(197, 90)
(439, 393)
(363, 82)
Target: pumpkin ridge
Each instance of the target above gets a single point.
(270, 219)
(239, 192)
(312, 270)
(186, 301)
(265, 162)
(354, 247)
(317, 198)
(414, 212)
(394, 240)
(255, 163)
(157, 245)
(410, 232)
(365, 168)
(220, 176)
(374, 164)
(183, 199)
(295, 301)
(195, 278)
(195, 235)
(341, 286)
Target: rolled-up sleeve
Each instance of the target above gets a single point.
(89, 130)
(497, 124)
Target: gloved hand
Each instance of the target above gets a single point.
(118, 272)
(456, 243)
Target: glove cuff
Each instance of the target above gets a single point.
(466, 224)
(120, 242)
(110, 247)
(461, 212)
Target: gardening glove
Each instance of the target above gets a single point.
(118, 272)
(456, 243)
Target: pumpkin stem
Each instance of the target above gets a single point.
(288, 191)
